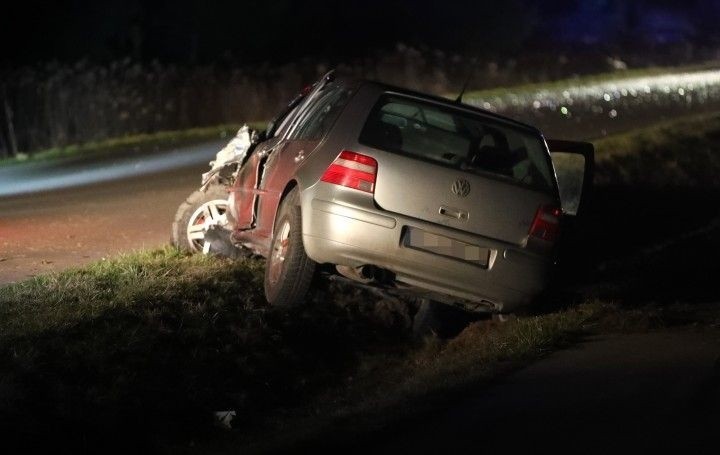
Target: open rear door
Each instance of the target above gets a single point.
(574, 164)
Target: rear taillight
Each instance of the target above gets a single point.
(352, 170)
(546, 225)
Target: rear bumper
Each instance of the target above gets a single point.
(355, 236)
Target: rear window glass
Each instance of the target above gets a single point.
(458, 139)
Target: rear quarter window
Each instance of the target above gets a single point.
(458, 139)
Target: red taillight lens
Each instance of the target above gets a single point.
(546, 224)
(352, 170)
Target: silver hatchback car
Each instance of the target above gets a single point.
(397, 189)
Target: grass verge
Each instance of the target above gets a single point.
(137, 143)
(139, 352)
(654, 212)
(683, 152)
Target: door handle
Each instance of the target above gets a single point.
(454, 213)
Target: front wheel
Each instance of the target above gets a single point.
(201, 212)
(288, 270)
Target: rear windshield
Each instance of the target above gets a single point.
(458, 139)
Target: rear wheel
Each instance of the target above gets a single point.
(288, 270)
(201, 211)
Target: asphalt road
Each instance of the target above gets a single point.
(638, 393)
(54, 230)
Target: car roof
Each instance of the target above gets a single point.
(437, 99)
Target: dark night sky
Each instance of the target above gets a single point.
(201, 31)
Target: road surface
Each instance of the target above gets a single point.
(53, 230)
(639, 393)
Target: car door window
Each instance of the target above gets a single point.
(323, 114)
(286, 121)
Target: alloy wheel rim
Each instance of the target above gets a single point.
(279, 252)
(211, 213)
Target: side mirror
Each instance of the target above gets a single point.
(574, 164)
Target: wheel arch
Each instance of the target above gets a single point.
(289, 186)
(283, 288)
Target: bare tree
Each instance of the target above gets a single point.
(9, 124)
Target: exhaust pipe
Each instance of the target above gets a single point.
(367, 274)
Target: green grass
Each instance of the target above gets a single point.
(683, 152)
(58, 301)
(138, 143)
(151, 344)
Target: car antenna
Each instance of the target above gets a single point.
(467, 81)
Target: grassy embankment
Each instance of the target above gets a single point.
(152, 344)
(657, 212)
(136, 144)
(139, 351)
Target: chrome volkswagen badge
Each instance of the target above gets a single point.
(460, 188)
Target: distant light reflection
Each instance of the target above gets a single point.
(34, 177)
(630, 97)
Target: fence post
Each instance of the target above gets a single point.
(10, 126)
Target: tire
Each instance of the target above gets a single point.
(202, 210)
(288, 270)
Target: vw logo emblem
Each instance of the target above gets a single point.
(460, 188)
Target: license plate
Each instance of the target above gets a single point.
(445, 246)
